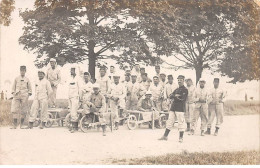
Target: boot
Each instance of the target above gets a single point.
(76, 126)
(202, 133)
(30, 125)
(216, 131)
(165, 136)
(116, 125)
(21, 124)
(42, 125)
(156, 124)
(73, 128)
(104, 130)
(191, 132)
(208, 131)
(150, 125)
(14, 124)
(188, 127)
(181, 136)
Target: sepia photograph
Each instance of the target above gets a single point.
(129, 82)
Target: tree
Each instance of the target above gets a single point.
(197, 33)
(73, 31)
(6, 8)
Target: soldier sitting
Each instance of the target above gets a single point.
(147, 105)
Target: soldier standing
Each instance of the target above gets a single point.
(157, 91)
(144, 85)
(134, 94)
(104, 83)
(117, 94)
(216, 108)
(177, 109)
(21, 91)
(201, 108)
(43, 91)
(53, 75)
(168, 89)
(86, 91)
(190, 103)
(74, 97)
(157, 70)
(128, 85)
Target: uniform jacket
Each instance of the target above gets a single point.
(42, 89)
(191, 94)
(216, 95)
(201, 94)
(157, 91)
(118, 91)
(144, 86)
(74, 86)
(145, 104)
(135, 91)
(104, 83)
(168, 89)
(21, 86)
(53, 75)
(178, 103)
(99, 101)
(86, 90)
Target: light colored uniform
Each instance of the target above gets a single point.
(168, 89)
(74, 96)
(117, 91)
(144, 87)
(20, 90)
(201, 109)
(216, 106)
(104, 83)
(53, 75)
(190, 104)
(134, 95)
(157, 93)
(128, 86)
(42, 92)
(86, 92)
(99, 102)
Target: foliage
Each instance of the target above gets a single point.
(6, 8)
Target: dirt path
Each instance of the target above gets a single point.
(58, 146)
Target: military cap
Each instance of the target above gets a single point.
(96, 85)
(116, 76)
(157, 66)
(41, 71)
(202, 80)
(52, 60)
(216, 80)
(144, 74)
(170, 76)
(112, 66)
(162, 73)
(156, 76)
(86, 73)
(188, 79)
(148, 92)
(181, 77)
(23, 67)
(133, 74)
(127, 74)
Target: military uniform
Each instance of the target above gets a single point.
(54, 76)
(190, 104)
(168, 89)
(157, 92)
(128, 86)
(134, 95)
(20, 90)
(144, 87)
(74, 96)
(216, 108)
(42, 92)
(86, 92)
(201, 109)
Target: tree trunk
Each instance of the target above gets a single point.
(91, 59)
(198, 74)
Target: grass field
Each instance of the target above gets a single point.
(232, 107)
(185, 158)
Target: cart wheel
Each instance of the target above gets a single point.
(67, 121)
(162, 121)
(36, 123)
(132, 122)
(50, 121)
(84, 123)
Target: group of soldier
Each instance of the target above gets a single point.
(117, 94)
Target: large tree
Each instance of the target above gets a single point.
(73, 31)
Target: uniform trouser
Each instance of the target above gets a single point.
(158, 104)
(202, 112)
(37, 105)
(74, 105)
(172, 118)
(189, 112)
(165, 106)
(53, 95)
(114, 106)
(215, 110)
(133, 104)
(128, 103)
(19, 106)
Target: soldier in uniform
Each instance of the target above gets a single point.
(86, 91)
(53, 75)
(117, 94)
(201, 108)
(179, 96)
(168, 89)
(157, 91)
(74, 98)
(21, 91)
(144, 85)
(162, 79)
(157, 70)
(190, 103)
(128, 85)
(134, 93)
(104, 83)
(216, 108)
(97, 103)
(146, 104)
(43, 91)
(111, 72)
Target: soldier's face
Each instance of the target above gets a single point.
(157, 69)
(112, 69)
(86, 78)
(155, 80)
(216, 84)
(163, 77)
(143, 77)
(116, 80)
(137, 67)
(96, 90)
(22, 72)
(189, 83)
(127, 78)
(181, 82)
(52, 63)
(148, 96)
(41, 75)
(102, 72)
(202, 84)
(142, 71)
(134, 78)
(72, 72)
(170, 80)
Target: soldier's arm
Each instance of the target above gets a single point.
(14, 86)
(59, 78)
(29, 87)
(103, 107)
(183, 96)
(224, 95)
(139, 105)
(49, 89)
(196, 97)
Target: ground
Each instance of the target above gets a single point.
(58, 146)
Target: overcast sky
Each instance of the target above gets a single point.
(13, 55)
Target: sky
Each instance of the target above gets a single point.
(13, 55)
